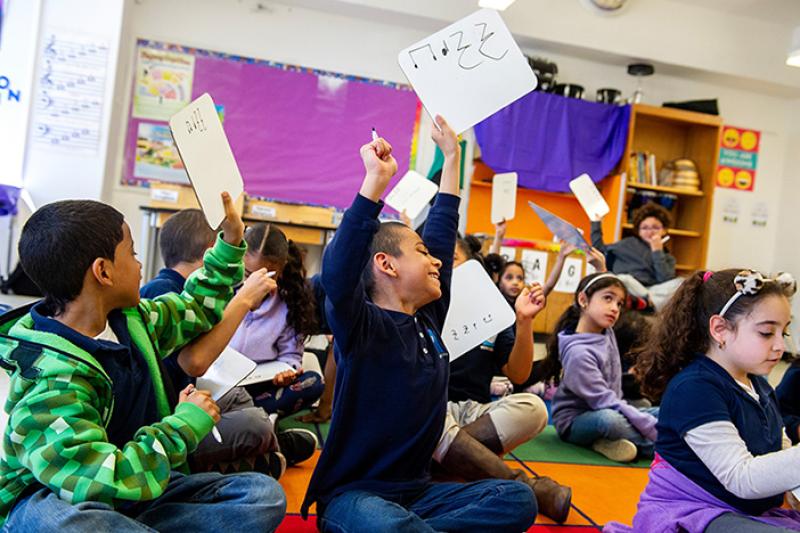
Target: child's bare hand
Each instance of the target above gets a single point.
(500, 230)
(404, 218)
(566, 249)
(596, 258)
(285, 378)
(380, 166)
(445, 138)
(232, 226)
(202, 399)
(255, 288)
(530, 301)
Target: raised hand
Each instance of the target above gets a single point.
(530, 301)
(596, 258)
(445, 138)
(232, 226)
(380, 166)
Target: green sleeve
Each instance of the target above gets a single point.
(176, 319)
(56, 433)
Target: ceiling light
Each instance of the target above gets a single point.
(499, 5)
(793, 59)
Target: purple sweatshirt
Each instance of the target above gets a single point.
(265, 336)
(592, 381)
(673, 503)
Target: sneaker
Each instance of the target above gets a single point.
(297, 445)
(620, 450)
(273, 464)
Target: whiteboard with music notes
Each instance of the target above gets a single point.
(70, 92)
(469, 70)
(477, 310)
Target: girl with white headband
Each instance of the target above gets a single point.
(588, 408)
(723, 460)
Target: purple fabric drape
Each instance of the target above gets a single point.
(9, 197)
(549, 140)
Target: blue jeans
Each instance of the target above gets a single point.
(306, 390)
(201, 502)
(489, 505)
(609, 424)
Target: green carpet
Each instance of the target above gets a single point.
(547, 447)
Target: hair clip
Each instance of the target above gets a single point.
(787, 283)
(707, 275)
(750, 282)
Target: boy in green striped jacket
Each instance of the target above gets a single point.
(96, 439)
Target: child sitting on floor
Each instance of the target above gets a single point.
(248, 439)
(588, 408)
(642, 263)
(96, 439)
(723, 458)
(387, 294)
(276, 330)
(478, 431)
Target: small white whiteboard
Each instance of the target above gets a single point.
(207, 156)
(469, 70)
(589, 197)
(266, 371)
(412, 193)
(477, 310)
(228, 371)
(504, 197)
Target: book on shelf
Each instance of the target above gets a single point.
(642, 168)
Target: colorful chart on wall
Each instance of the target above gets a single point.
(738, 158)
(295, 131)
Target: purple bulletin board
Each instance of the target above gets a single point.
(295, 131)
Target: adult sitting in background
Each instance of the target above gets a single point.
(640, 261)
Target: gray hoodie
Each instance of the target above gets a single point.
(633, 256)
(592, 380)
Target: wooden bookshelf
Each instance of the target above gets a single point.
(674, 134)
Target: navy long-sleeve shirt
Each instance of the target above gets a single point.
(392, 368)
(788, 393)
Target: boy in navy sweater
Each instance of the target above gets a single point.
(387, 294)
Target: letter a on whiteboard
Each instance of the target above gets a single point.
(469, 70)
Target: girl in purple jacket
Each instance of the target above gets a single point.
(588, 408)
(276, 330)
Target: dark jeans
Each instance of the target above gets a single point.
(306, 390)
(489, 505)
(201, 502)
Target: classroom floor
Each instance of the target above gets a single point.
(602, 490)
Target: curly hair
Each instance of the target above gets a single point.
(271, 243)
(550, 367)
(683, 329)
(654, 210)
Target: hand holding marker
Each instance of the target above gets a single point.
(214, 430)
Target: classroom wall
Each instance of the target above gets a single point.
(365, 35)
(787, 252)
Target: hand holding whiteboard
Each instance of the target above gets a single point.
(589, 197)
(477, 310)
(411, 194)
(561, 228)
(504, 197)
(207, 156)
(469, 70)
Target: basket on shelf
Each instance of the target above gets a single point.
(680, 174)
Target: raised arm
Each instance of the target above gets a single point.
(441, 227)
(348, 253)
(196, 357)
(528, 304)
(499, 235)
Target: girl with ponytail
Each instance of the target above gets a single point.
(723, 460)
(588, 408)
(277, 329)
